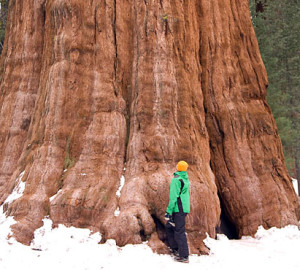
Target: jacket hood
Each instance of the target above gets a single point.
(183, 175)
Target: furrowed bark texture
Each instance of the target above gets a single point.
(97, 91)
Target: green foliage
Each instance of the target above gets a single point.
(69, 160)
(3, 19)
(277, 25)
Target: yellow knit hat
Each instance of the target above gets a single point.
(182, 166)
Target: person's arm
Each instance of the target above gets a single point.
(174, 194)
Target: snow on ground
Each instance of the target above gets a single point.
(72, 248)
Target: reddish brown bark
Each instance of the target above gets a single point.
(89, 88)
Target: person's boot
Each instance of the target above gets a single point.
(181, 259)
(173, 252)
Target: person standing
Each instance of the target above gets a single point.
(177, 210)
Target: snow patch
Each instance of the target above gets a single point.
(295, 184)
(54, 196)
(118, 193)
(18, 190)
(7, 222)
(122, 182)
(290, 232)
(5, 231)
(117, 212)
(47, 238)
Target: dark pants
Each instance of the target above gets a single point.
(176, 235)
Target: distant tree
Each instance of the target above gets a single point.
(277, 25)
(3, 18)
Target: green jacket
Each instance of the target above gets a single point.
(175, 191)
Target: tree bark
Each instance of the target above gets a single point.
(93, 91)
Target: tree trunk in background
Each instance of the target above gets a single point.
(297, 167)
(92, 91)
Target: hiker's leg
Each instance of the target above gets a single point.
(180, 236)
(170, 235)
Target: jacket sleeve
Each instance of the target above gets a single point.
(174, 194)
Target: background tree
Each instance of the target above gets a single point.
(277, 25)
(3, 18)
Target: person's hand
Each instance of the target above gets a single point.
(171, 222)
(168, 216)
(169, 219)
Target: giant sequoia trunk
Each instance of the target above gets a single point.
(92, 91)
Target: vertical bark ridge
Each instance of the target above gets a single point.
(240, 127)
(20, 81)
